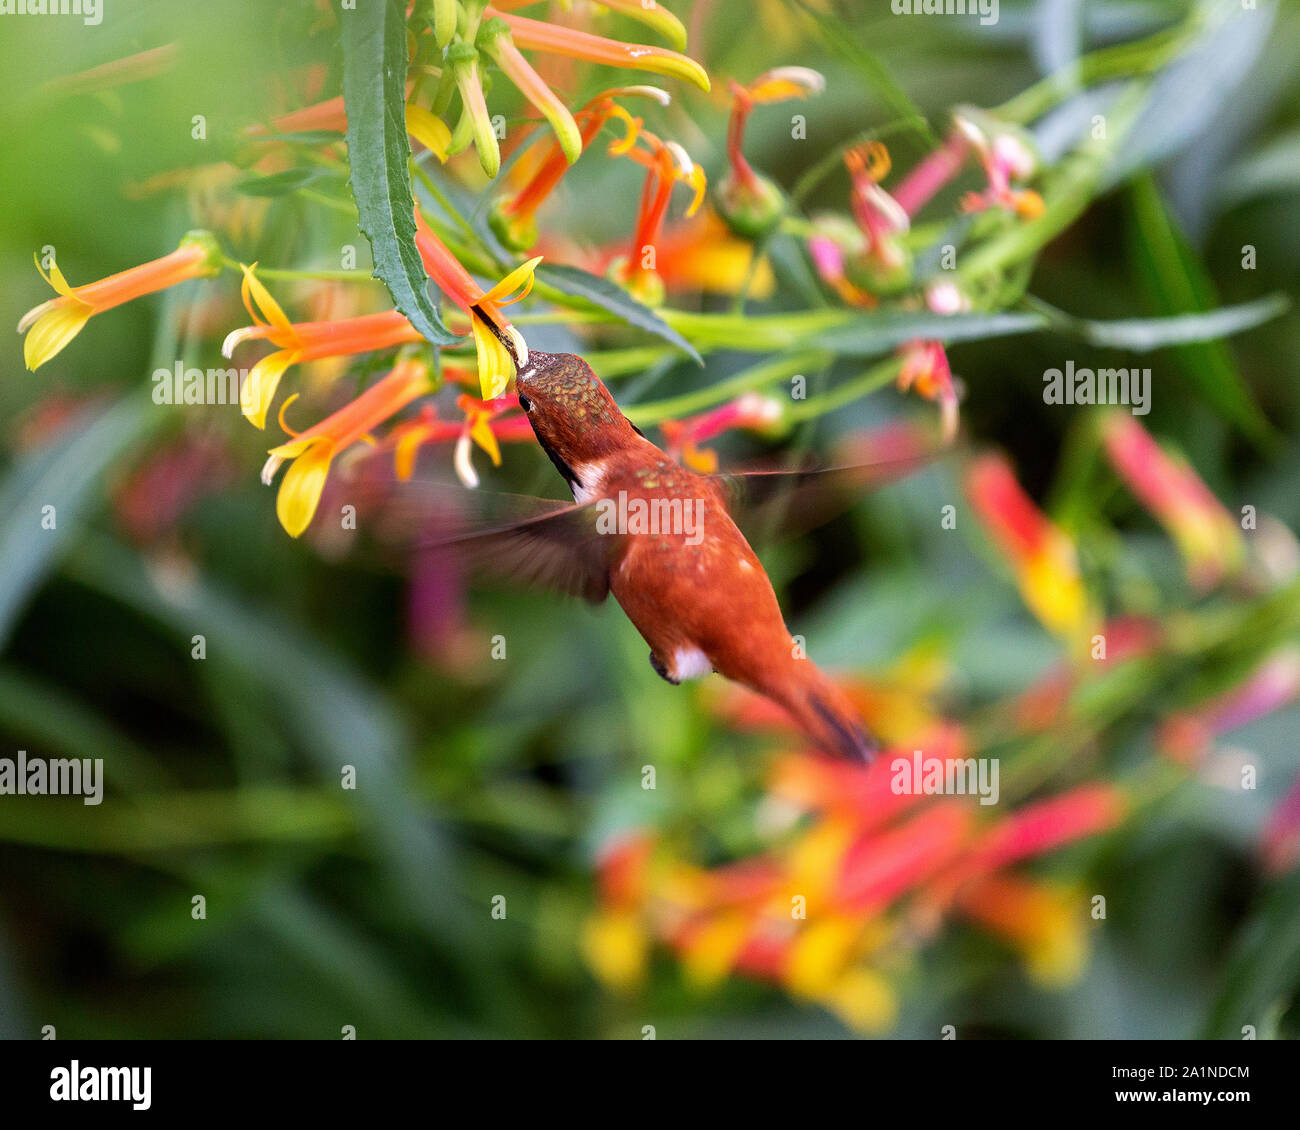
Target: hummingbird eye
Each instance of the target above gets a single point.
(525, 403)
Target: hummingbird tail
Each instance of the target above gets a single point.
(825, 713)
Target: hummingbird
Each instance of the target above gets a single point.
(690, 582)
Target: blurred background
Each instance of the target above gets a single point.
(500, 870)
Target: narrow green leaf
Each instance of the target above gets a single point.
(613, 300)
(1176, 281)
(1262, 970)
(374, 92)
(873, 334)
(63, 476)
(1146, 334)
(279, 184)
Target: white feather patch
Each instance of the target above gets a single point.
(690, 663)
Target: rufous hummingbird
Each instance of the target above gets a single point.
(695, 590)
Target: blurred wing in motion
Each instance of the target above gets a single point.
(771, 504)
(538, 542)
(558, 548)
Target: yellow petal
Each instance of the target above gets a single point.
(404, 455)
(481, 433)
(259, 389)
(300, 490)
(654, 16)
(53, 330)
(54, 278)
(269, 307)
(520, 279)
(429, 130)
(495, 365)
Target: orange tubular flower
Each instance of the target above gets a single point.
(514, 219)
(496, 363)
(536, 35)
(752, 204)
(925, 367)
(1042, 556)
(314, 450)
(667, 164)
(1045, 922)
(52, 324)
(429, 130)
(653, 15)
(1208, 538)
(494, 39)
(880, 217)
(305, 341)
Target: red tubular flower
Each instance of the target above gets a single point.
(1041, 555)
(751, 204)
(751, 412)
(482, 426)
(1208, 538)
(667, 164)
(877, 867)
(1006, 155)
(931, 174)
(303, 341)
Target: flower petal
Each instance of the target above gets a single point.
(429, 130)
(54, 329)
(258, 390)
(300, 490)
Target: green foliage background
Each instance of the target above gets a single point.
(480, 779)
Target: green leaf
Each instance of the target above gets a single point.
(374, 93)
(63, 476)
(279, 184)
(1264, 967)
(614, 300)
(873, 334)
(1175, 280)
(1145, 334)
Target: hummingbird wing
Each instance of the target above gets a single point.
(784, 502)
(540, 543)
(557, 548)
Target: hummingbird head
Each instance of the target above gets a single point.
(573, 415)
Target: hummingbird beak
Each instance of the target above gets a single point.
(510, 338)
